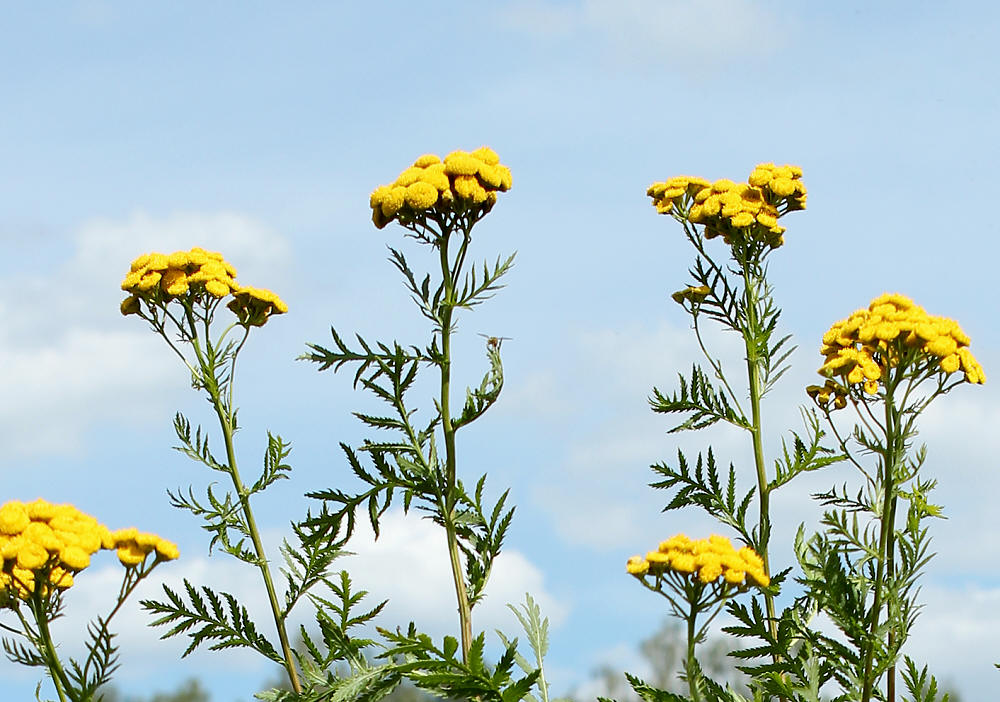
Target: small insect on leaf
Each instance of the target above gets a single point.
(494, 342)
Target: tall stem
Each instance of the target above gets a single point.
(461, 594)
(244, 496)
(886, 539)
(48, 651)
(750, 334)
(690, 666)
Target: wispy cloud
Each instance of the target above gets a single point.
(685, 31)
(78, 363)
(408, 565)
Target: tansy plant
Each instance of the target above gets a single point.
(730, 289)
(888, 361)
(697, 576)
(416, 460)
(179, 295)
(43, 548)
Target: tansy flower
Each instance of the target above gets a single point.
(156, 279)
(892, 331)
(254, 306)
(462, 180)
(44, 544)
(745, 211)
(713, 561)
(691, 294)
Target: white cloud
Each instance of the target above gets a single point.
(685, 31)
(409, 566)
(247, 243)
(541, 19)
(58, 390)
(599, 495)
(69, 358)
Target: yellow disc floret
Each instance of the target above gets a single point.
(42, 546)
(735, 210)
(461, 181)
(156, 279)
(891, 332)
(708, 561)
(254, 306)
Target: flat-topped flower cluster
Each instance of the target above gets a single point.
(462, 179)
(196, 275)
(46, 544)
(892, 332)
(735, 210)
(705, 560)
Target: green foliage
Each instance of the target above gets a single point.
(917, 684)
(418, 461)
(536, 627)
(862, 569)
(209, 616)
(704, 489)
(440, 671)
(189, 691)
(74, 681)
(804, 457)
(704, 404)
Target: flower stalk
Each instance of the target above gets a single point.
(438, 202)
(448, 429)
(196, 282)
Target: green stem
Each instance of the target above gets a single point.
(48, 649)
(750, 336)
(461, 593)
(886, 539)
(227, 432)
(690, 667)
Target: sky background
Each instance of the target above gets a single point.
(259, 132)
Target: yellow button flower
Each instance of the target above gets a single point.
(462, 180)
(709, 561)
(860, 348)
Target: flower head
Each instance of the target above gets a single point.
(890, 333)
(735, 210)
(712, 561)
(45, 544)
(254, 306)
(695, 294)
(156, 277)
(155, 280)
(462, 180)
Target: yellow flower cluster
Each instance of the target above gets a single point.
(158, 278)
(692, 294)
(175, 274)
(830, 389)
(729, 209)
(133, 546)
(671, 191)
(707, 560)
(464, 178)
(862, 347)
(41, 542)
(253, 306)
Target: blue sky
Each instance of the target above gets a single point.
(260, 132)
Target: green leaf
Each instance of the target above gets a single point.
(209, 616)
(704, 404)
